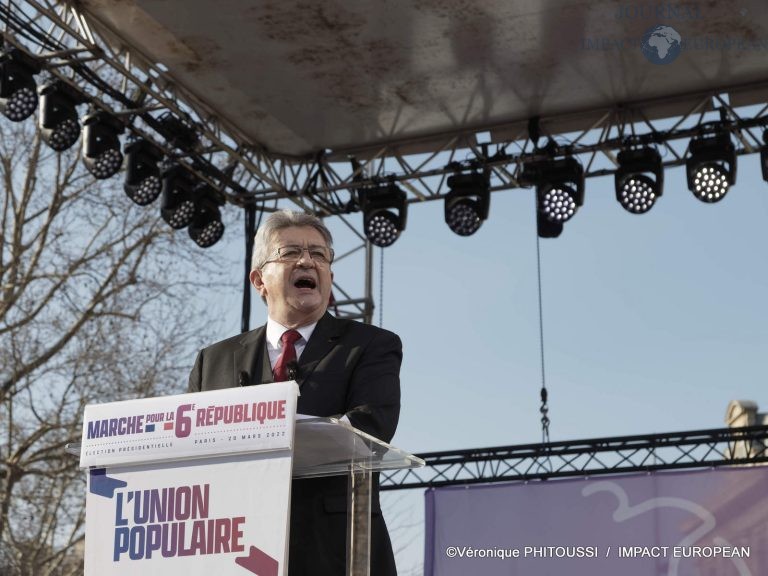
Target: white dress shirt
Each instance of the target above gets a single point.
(275, 331)
(275, 347)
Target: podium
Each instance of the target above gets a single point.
(189, 514)
(331, 447)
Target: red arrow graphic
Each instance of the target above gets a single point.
(258, 562)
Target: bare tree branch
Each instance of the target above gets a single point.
(96, 297)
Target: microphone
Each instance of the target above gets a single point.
(292, 370)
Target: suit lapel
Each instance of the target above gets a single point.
(249, 358)
(253, 359)
(266, 376)
(323, 339)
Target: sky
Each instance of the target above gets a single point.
(652, 323)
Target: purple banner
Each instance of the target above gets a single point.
(701, 523)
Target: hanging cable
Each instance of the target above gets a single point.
(381, 288)
(544, 394)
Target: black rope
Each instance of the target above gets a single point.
(544, 394)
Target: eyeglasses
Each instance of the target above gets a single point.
(320, 255)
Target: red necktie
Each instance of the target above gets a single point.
(288, 355)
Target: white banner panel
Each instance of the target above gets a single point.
(218, 422)
(210, 517)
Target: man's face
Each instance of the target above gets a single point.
(297, 292)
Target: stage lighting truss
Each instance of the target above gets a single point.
(639, 179)
(59, 125)
(711, 166)
(81, 56)
(206, 227)
(250, 174)
(384, 213)
(18, 89)
(467, 203)
(101, 144)
(142, 175)
(177, 204)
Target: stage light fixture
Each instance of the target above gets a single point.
(142, 177)
(101, 144)
(206, 227)
(384, 213)
(59, 125)
(177, 203)
(547, 229)
(561, 189)
(639, 179)
(711, 166)
(467, 203)
(18, 90)
(178, 133)
(559, 192)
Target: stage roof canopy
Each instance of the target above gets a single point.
(297, 77)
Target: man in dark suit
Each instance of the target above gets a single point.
(341, 366)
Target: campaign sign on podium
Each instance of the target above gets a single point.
(190, 484)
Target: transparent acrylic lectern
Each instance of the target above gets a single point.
(332, 447)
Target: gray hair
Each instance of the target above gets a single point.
(265, 235)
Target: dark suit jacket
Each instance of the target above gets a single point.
(345, 365)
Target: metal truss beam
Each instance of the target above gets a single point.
(671, 451)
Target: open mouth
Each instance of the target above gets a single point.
(305, 282)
